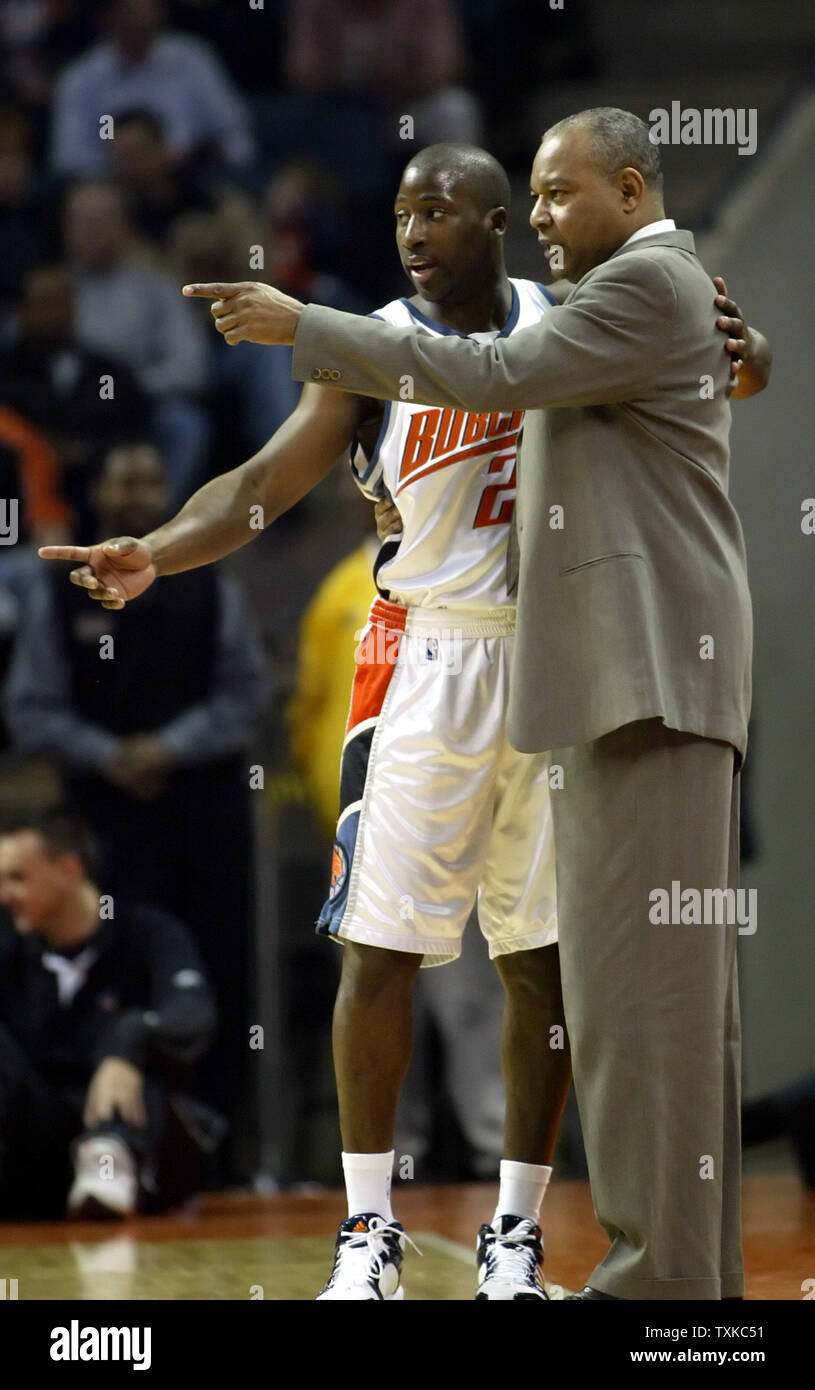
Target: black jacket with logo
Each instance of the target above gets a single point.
(142, 996)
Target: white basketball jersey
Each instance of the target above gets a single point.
(452, 476)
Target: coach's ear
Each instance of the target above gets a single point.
(497, 220)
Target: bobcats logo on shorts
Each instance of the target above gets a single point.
(339, 871)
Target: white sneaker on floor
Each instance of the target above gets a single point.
(367, 1260)
(106, 1180)
(510, 1260)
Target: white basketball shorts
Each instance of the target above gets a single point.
(437, 810)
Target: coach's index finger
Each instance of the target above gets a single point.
(212, 291)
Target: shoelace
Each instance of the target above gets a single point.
(518, 1260)
(364, 1243)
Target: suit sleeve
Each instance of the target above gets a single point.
(603, 347)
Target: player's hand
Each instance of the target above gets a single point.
(111, 572)
(250, 312)
(117, 1087)
(388, 518)
(739, 338)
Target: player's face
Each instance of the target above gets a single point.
(444, 241)
(32, 883)
(576, 206)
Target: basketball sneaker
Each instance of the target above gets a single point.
(510, 1260)
(106, 1180)
(367, 1260)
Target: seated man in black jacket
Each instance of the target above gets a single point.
(102, 1008)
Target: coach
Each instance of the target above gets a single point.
(632, 664)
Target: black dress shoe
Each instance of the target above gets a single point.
(590, 1293)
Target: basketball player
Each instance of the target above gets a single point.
(436, 807)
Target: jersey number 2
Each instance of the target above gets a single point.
(497, 499)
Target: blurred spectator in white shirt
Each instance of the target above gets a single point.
(139, 63)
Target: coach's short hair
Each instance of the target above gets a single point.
(617, 140)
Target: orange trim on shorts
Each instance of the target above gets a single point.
(375, 659)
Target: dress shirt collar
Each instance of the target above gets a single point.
(665, 224)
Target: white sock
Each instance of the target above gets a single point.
(368, 1183)
(521, 1190)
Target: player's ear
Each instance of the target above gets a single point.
(497, 220)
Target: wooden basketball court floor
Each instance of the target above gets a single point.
(237, 1246)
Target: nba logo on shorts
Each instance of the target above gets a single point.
(432, 649)
(339, 871)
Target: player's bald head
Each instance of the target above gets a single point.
(467, 169)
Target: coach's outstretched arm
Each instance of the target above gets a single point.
(612, 342)
(599, 348)
(222, 515)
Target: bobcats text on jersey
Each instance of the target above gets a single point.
(439, 438)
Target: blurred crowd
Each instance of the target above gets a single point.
(145, 144)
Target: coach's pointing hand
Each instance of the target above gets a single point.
(112, 572)
(250, 312)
